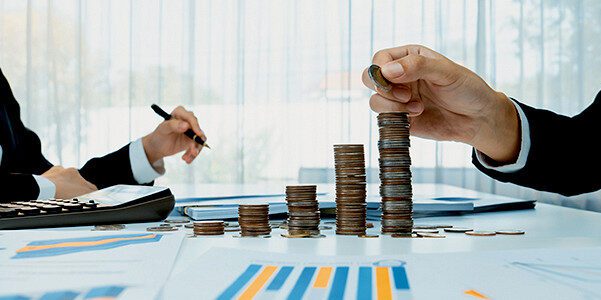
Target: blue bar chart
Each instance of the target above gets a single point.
(263, 281)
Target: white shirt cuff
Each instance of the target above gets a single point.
(524, 148)
(47, 187)
(141, 168)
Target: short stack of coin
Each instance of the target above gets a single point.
(303, 210)
(209, 228)
(395, 173)
(254, 219)
(349, 160)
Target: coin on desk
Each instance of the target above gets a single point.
(511, 232)
(178, 220)
(368, 236)
(161, 228)
(418, 231)
(480, 233)
(458, 229)
(430, 235)
(111, 227)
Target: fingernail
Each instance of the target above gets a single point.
(393, 69)
(414, 107)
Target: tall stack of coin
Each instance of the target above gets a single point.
(209, 228)
(303, 210)
(349, 160)
(395, 173)
(254, 219)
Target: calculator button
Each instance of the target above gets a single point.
(51, 208)
(8, 212)
(72, 206)
(30, 211)
(89, 205)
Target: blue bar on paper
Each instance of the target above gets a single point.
(364, 286)
(279, 279)
(242, 280)
(400, 278)
(339, 283)
(61, 295)
(302, 283)
(110, 291)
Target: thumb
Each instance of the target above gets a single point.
(439, 71)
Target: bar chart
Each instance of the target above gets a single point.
(264, 281)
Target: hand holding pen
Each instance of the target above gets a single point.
(180, 131)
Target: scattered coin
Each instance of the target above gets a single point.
(323, 227)
(189, 225)
(368, 236)
(161, 228)
(458, 229)
(511, 232)
(424, 227)
(418, 231)
(178, 221)
(395, 173)
(375, 73)
(480, 233)
(112, 227)
(430, 235)
(349, 161)
(443, 226)
(296, 236)
(404, 235)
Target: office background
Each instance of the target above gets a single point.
(276, 83)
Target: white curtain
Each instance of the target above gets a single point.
(276, 83)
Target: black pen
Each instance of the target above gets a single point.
(189, 133)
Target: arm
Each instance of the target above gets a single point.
(562, 152)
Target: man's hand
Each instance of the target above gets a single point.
(168, 138)
(446, 101)
(68, 182)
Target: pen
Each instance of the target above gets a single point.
(189, 133)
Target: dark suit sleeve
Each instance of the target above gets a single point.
(18, 187)
(564, 157)
(111, 169)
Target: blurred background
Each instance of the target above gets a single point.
(276, 83)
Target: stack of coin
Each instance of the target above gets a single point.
(395, 173)
(349, 160)
(209, 228)
(303, 210)
(254, 219)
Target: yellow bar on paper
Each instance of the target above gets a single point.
(323, 277)
(476, 294)
(257, 284)
(383, 283)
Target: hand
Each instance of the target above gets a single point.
(446, 101)
(68, 182)
(168, 138)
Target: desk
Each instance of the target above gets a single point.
(546, 226)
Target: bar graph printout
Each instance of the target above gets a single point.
(225, 273)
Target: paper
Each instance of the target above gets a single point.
(515, 274)
(106, 292)
(58, 260)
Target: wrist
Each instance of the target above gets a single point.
(499, 133)
(148, 144)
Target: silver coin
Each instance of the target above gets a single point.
(458, 229)
(161, 228)
(112, 227)
(178, 221)
(189, 225)
(480, 233)
(430, 235)
(418, 231)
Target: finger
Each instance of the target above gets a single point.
(192, 152)
(387, 55)
(188, 116)
(380, 104)
(413, 67)
(174, 125)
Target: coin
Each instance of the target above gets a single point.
(375, 73)
(112, 227)
(430, 235)
(351, 183)
(161, 228)
(458, 229)
(403, 235)
(303, 210)
(368, 236)
(295, 236)
(511, 232)
(418, 231)
(253, 219)
(177, 221)
(209, 228)
(480, 233)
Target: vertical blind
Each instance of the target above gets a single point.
(276, 83)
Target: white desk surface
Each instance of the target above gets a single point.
(546, 226)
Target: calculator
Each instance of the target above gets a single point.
(113, 205)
